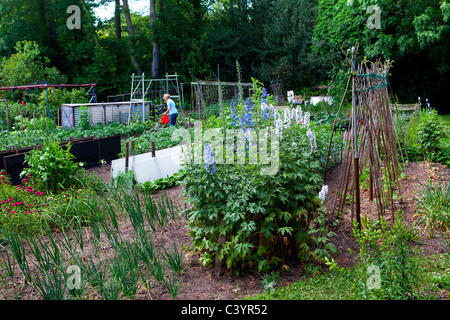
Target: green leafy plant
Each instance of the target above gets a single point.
(387, 249)
(430, 131)
(53, 165)
(262, 220)
(85, 122)
(318, 249)
(163, 183)
(433, 206)
(269, 281)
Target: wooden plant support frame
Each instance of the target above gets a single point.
(376, 142)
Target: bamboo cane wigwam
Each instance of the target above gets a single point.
(377, 139)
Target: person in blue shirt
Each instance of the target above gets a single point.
(171, 110)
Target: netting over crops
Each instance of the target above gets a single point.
(205, 97)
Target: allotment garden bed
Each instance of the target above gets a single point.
(198, 282)
(88, 237)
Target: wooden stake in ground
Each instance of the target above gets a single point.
(127, 152)
(355, 147)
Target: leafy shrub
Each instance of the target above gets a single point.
(425, 137)
(57, 97)
(442, 155)
(53, 165)
(430, 132)
(262, 220)
(261, 215)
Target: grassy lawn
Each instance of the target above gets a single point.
(327, 286)
(331, 285)
(446, 120)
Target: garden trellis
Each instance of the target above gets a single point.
(145, 90)
(205, 94)
(46, 85)
(371, 143)
(277, 90)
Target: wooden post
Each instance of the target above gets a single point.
(132, 148)
(127, 149)
(7, 116)
(357, 194)
(21, 120)
(355, 145)
(370, 181)
(153, 149)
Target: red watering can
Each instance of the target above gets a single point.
(165, 119)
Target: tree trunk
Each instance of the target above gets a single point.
(126, 11)
(155, 60)
(117, 21)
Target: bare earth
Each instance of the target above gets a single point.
(198, 282)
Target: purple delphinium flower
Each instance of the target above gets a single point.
(247, 119)
(234, 114)
(264, 104)
(265, 111)
(264, 94)
(208, 158)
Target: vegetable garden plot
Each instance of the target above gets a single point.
(87, 150)
(73, 263)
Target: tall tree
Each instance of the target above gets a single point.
(155, 53)
(126, 11)
(117, 20)
(415, 34)
(285, 47)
